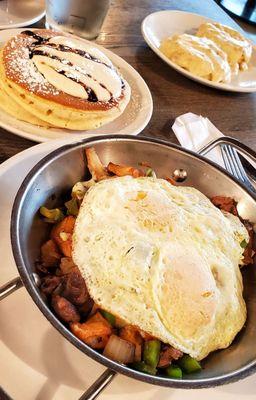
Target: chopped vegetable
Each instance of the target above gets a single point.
(66, 227)
(243, 244)
(132, 334)
(151, 352)
(123, 170)
(143, 367)
(109, 317)
(78, 191)
(173, 371)
(189, 364)
(50, 255)
(51, 216)
(151, 173)
(72, 207)
(119, 350)
(80, 188)
(97, 341)
(95, 166)
(95, 331)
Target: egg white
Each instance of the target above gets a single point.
(163, 258)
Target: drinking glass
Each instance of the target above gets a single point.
(80, 17)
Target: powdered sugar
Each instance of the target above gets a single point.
(22, 67)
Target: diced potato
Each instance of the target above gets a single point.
(95, 331)
(62, 235)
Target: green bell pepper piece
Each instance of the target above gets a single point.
(243, 244)
(189, 364)
(54, 215)
(143, 367)
(72, 207)
(151, 352)
(109, 317)
(174, 371)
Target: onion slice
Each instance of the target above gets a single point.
(119, 350)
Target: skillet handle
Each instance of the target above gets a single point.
(16, 283)
(241, 147)
(10, 287)
(96, 388)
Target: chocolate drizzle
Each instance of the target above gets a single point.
(39, 40)
(61, 47)
(82, 53)
(91, 94)
(45, 54)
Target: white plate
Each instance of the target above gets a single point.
(38, 363)
(17, 13)
(161, 24)
(133, 120)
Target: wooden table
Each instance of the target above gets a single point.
(173, 94)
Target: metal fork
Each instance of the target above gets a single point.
(228, 146)
(234, 166)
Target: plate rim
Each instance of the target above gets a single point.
(11, 161)
(187, 74)
(74, 135)
(26, 22)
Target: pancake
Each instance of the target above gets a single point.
(63, 81)
(10, 106)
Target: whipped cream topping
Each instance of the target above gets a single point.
(76, 68)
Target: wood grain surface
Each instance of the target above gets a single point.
(173, 94)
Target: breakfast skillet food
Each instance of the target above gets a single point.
(50, 79)
(137, 242)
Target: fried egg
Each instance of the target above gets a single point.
(163, 258)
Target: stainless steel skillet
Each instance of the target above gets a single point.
(56, 173)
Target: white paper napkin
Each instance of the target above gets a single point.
(193, 132)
